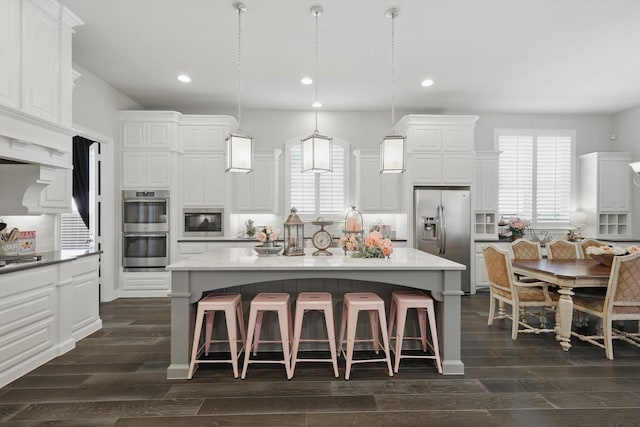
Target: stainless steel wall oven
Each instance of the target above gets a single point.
(145, 230)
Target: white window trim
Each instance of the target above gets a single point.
(571, 133)
(347, 179)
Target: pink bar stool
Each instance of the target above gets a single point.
(278, 302)
(401, 302)
(352, 304)
(314, 301)
(231, 305)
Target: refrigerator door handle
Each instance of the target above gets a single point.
(443, 230)
(439, 229)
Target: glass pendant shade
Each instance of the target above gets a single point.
(392, 154)
(316, 153)
(239, 149)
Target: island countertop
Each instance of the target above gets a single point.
(232, 259)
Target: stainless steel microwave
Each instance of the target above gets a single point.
(203, 222)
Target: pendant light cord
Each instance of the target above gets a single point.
(239, 7)
(316, 13)
(393, 76)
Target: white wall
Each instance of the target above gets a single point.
(95, 107)
(626, 126)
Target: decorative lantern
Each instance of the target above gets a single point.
(293, 234)
(353, 223)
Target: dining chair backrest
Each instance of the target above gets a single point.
(586, 243)
(623, 291)
(498, 266)
(525, 249)
(561, 249)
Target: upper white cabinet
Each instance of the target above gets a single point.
(203, 180)
(485, 180)
(146, 140)
(376, 192)
(200, 133)
(10, 52)
(439, 148)
(605, 194)
(257, 191)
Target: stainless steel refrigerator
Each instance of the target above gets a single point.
(442, 224)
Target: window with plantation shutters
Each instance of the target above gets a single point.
(73, 233)
(536, 175)
(318, 194)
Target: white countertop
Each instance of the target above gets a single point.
(234, 259)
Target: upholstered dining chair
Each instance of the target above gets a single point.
(504, 288)
(526, 249)
(561, 249)
(586, 243)
(621, 302)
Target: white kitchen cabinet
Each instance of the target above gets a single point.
(204, 138)
(10, 52)
(376, 192)
(145, 284)
(485, 181)
(142, 169)
(257, 191)
(203, 180)
(438, 169)
(57, 196)
(605, 194)
(141, 135)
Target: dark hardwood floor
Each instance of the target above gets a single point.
(116, 377)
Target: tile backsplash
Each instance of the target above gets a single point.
(44, 225)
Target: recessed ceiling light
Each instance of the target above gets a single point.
(317, 104)
(184, 78)
(427, 83)
(306, 80)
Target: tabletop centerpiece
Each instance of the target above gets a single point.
(268, 236)
(374, 245)
(604, 254)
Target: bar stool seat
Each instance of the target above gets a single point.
(280, 303)
(401, 302)
(314, 301)
(353, 303)
(231, 305)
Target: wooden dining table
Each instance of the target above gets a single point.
(566, 275)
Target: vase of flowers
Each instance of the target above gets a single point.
(267, 235)
(517, 227)
(373, 246)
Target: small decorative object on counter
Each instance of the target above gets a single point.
(267, 235)
(293, 234)
(322, 238)
(353, 224)
(604, 254)
(517, 227)
(374, 246)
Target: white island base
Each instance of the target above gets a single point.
(238, 267)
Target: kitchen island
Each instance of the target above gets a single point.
(237, 267)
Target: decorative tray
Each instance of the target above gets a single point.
(267, 250)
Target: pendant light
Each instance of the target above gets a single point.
(239, 147)
(392, 146)
(316, 148)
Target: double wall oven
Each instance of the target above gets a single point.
(145, 230)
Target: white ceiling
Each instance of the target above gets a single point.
(520, 56)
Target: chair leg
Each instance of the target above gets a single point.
(331, 335)
(243, 335)
(196, 342)
(608, 338)
(247, 347)
(209, 316)
(232, 332)
(492, 308)
(374, 331)
(256, 332)
(352, 322)
(402, 318)
(434, 338)
(392, 317)
(422, 324)
(515, 318)
(283, 317)
(385, 339)
(343, 326)
(296, 337)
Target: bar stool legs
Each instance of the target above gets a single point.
(401, 301)
(314, 301)
(278, 302)
(353, 303)
(231, 304)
